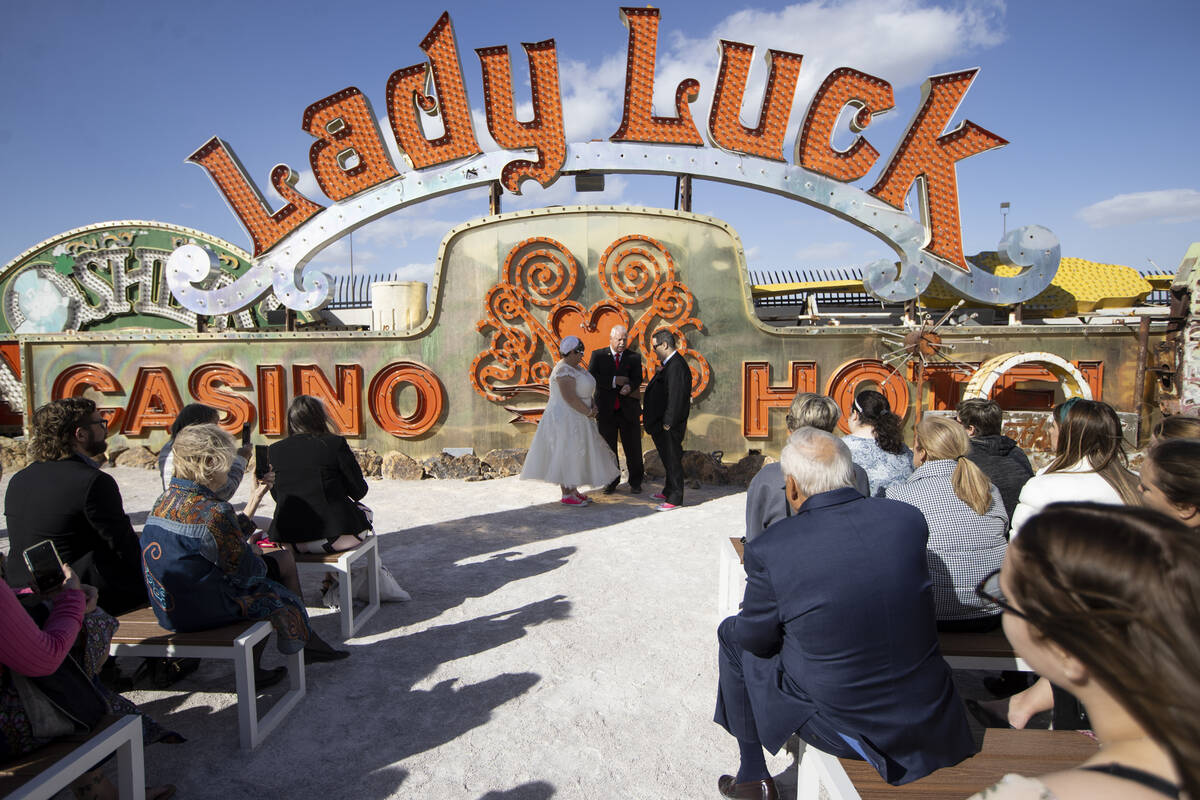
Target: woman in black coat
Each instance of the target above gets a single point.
(317, 484)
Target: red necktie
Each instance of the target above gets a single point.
(617, 366)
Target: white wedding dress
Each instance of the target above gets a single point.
(567, 448)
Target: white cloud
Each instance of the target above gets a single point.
(900, 41)
(1165, 205)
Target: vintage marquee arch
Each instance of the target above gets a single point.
(355, 171)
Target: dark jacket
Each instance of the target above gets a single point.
(838, 622)
(317, 481)
(668, 396)
(79, 508)
(1005, 464)
(609, 400)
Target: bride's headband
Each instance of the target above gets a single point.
(568, 344)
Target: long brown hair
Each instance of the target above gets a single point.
(1118, 588)
(1090, 430)
(943, 438)
(1177, 467)
(307, 414)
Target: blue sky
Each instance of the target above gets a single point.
(105, 100)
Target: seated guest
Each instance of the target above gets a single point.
(836, 639)
(1102, 600)
(1089, 462)
(200, 571)
(318, 484)
(64, 497)
(968, 529)
(34, 652)
(876, 442)
(1170, 479)
(198, 414)
(765, 501)
(1001, 458)
(1177, 426)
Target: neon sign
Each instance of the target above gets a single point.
(351, 164)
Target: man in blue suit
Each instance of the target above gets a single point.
(836, 640)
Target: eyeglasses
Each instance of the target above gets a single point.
(989, 590)
(101, 422)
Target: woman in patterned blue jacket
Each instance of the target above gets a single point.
(200, 571)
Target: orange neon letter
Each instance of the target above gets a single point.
(431, 399)
(926, 155)
(265, 228)
(843, 384)
(213, 385)
(75, 381)
(544, 133)
(725, 126)
(409, 88)
(639, 123)
(759, 396)
(272, 386)
(154, 401)
(844, 87)
(343, 404)
(348, 156)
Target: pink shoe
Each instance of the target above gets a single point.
(658, 496)
(582, 497)
(667, 507)
(572, 500)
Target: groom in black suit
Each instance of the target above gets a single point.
(667, 402)
(618, 374)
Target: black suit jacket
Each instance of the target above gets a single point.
(79, 508)
(668, 396)
(317, 481)
(603, 370)
(838, 620)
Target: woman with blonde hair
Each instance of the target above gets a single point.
(1102, 599)
(967, 523)
(200, 572)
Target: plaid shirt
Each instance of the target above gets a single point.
(963, 546)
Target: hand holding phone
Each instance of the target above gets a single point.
(262, 460)
(246, 434)
(45, 566)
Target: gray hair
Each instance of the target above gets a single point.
(813, 410)
(817, 461)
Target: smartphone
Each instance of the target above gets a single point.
(45, 566)
(245, 434)
(262, 460)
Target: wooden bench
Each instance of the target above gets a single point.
(45, 772)
(341, 563)
(141, 635)
(1004, 751)
(989, 650)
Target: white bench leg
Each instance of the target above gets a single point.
(351, 622)
(817, 769)
(124, 737)
(251, 729)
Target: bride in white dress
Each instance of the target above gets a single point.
(567, 448)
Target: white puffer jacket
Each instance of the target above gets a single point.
(1076, 483)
